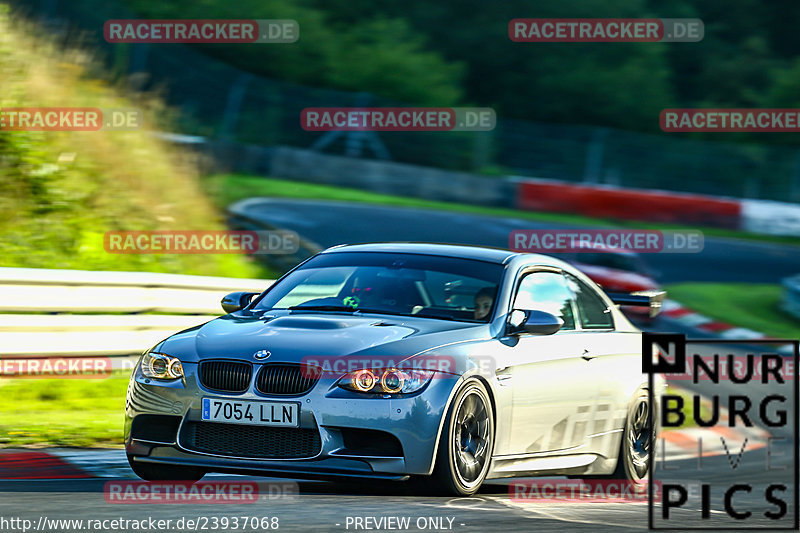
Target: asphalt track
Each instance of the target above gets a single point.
(331, 223)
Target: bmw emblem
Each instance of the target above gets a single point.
(262, 354)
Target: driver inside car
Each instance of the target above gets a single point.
(385, 289)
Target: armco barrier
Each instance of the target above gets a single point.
(618, 203)
(388, 177)
(603, 201)
(28, 297)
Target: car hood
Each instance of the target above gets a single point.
(290, 337)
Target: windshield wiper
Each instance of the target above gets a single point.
(323, 308)
(346, 309)
(382, 312)
(439, 317)
(423, 314)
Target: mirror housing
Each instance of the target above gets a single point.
(236, 301)
(533, 322)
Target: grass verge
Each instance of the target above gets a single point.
(226, 189)
(63, 412)
(61, 191)
(748, 305)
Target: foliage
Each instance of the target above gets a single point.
(61, 191)
(381, 55)
(449, 52)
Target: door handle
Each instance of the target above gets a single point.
(587, 356)
(503, 375)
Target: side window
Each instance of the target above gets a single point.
(592, 309)
(546, 291)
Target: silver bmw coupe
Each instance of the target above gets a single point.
(454, 364)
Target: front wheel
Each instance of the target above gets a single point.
(159, 472)
(466, 443)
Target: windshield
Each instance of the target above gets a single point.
(400, 284)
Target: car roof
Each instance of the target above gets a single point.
(480, 253)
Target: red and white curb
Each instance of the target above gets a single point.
(690, 443)
(689, 318)
(65, 463)
(55, 463)
(98, 463)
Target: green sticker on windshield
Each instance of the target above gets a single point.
(351, 301)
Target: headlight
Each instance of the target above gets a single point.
(161, 366)
(386, 380)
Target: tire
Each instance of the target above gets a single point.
(634, 457)
(159, 472)
(466, 443)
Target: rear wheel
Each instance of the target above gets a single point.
(635, 449)
(466, 443)
(159, 472)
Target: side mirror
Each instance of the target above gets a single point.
(533, 322)
(237, 300)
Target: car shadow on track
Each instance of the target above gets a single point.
(387, 488)
(367, 487)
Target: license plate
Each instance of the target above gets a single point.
(283, 414)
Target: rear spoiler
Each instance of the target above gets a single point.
(651, 299)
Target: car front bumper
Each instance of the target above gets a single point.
(413, 420)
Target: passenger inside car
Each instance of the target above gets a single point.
(483, 302)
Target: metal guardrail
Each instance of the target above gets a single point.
(791, 295)
(47, 312)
